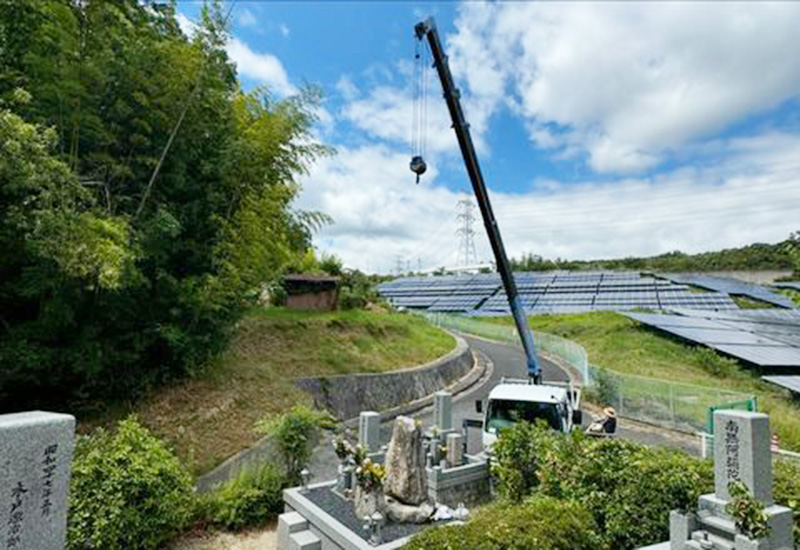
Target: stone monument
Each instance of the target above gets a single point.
(35, 455)
(741, 453)
(443, 411)
(406, 480)
(369, 431)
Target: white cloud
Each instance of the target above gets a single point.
(247, 18)
(627, 82)
(284, 30)
(347, 88)
(262, 67)
(749, 196)
(187, 26)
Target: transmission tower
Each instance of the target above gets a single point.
(465, 215)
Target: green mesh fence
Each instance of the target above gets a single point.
(673, 405)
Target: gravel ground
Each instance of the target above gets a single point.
(259, 539)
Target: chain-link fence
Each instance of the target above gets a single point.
(673, 405)
(565, 352)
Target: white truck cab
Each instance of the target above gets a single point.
(514, 400)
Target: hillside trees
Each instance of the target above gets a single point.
(113, 276)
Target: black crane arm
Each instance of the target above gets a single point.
(427, 29)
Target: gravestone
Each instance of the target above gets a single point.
(369, 431)
(741, 453)
(35, 455)
(455, 449)
(443, 411)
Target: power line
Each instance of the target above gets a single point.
(466, 218)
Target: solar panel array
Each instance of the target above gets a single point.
(794, 285)
(731, 286)
(790, 382)
(768, 338)
(548, 292)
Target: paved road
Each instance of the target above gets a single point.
(507, 361)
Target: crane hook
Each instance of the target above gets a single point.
(418, 166)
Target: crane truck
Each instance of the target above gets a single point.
(510, 400)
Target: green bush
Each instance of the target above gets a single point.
(128, 491)
(605, 390)
(787, 491)
(254, 497)
(295, 433)
(628, 488)
(540, 523)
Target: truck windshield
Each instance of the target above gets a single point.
(502, 413)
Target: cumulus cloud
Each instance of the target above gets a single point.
(744, 193)
(264, 68)
(625, 83)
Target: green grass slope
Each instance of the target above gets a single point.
(211, 417)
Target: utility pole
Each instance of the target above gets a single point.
(465, 215)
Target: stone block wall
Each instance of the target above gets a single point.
(347, 395)
(468, 484)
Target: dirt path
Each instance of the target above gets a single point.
(259, 539)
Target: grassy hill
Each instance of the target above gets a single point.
(211, 417)
(623, 345)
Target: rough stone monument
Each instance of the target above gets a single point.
(741, 453)
(35, 455)
(406, 479)
(369, 431)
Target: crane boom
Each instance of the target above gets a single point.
(427, 29)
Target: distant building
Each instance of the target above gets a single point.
(311, 291)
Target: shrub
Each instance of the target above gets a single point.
(628, 488)
(254, 497)
(605, 388)
(540, 523)
(787, 491)
(294, 434)
(748, 513)
(128, 491)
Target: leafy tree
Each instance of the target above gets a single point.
(144, 196)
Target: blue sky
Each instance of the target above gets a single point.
(604, 130)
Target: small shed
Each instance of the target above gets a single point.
(311, 291)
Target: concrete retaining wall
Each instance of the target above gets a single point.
(347, 395)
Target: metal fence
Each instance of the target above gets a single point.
(683, 407)
(565, 352)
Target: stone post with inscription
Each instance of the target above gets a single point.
(35, 455)
(741, 453)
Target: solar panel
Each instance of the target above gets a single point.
(792, 284)
(732, 286)
(790, 382)
(766, 339)
(766, 356)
